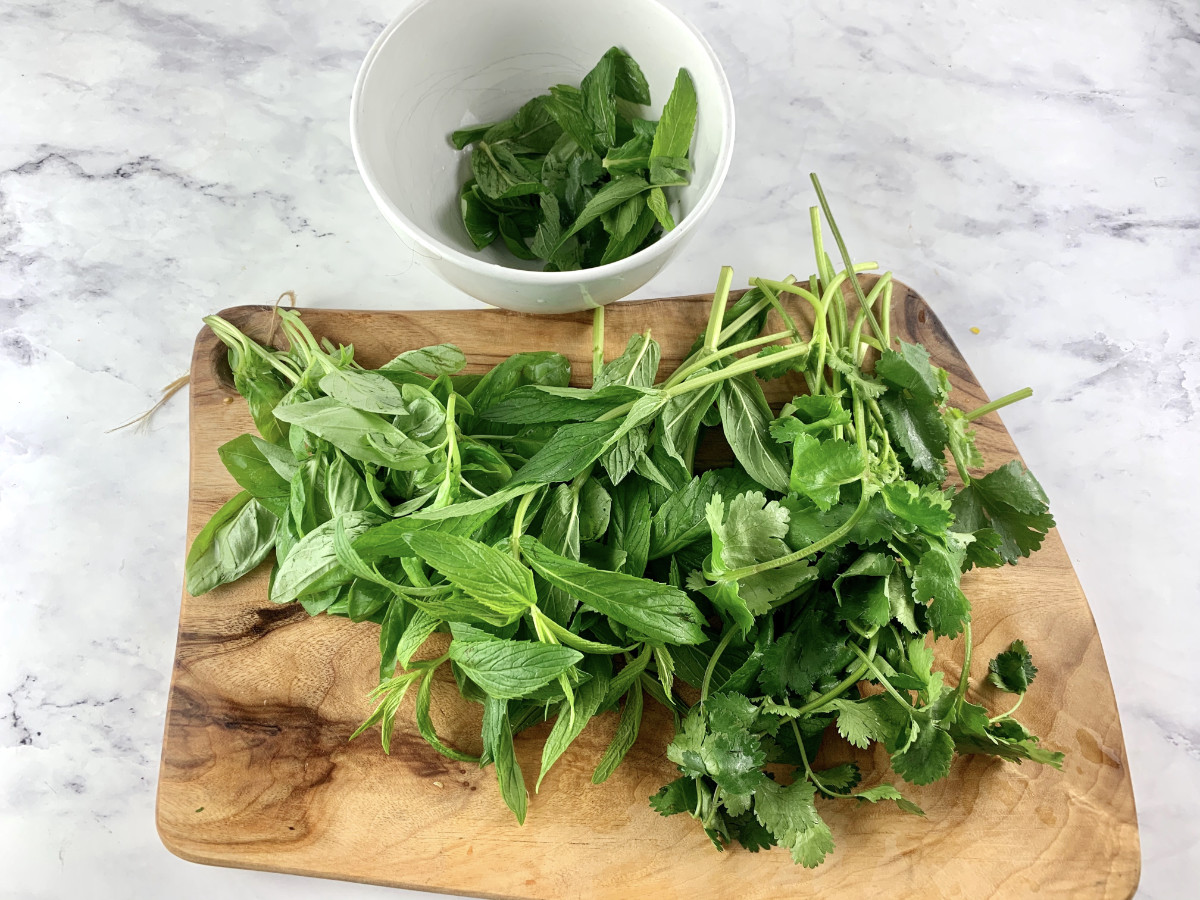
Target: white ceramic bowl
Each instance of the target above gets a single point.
(444, 64)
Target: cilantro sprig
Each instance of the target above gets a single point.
(577, 565)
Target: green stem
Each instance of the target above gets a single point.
(815, 547)
(837, 236)
(716, 316)
(519, 525)
(994, 719)
(597, 342)
(879, 676)
(1022, 394)
(682, 373)
(712, 662)
(960, 692)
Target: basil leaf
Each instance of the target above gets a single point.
(236, 539)
(745, 417)
(252, 470)
(439, 359)
(360, 435)
(314, 557)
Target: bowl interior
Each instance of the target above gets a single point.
(450, 63)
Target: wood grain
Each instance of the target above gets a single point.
(257, 771)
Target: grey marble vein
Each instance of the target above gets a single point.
(1032, 168)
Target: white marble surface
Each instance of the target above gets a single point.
(1030, 167)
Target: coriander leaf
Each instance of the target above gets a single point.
(909, 370)
(819, 468)
(682, 520)
(887, 791)
(791, 816)
(928, 757)
(508, 669)
(936, 584)
(734, 759)
(809, 414)
(961, 438)
(1013, 670)
(494, 579)
(862, 589)
(677, 797)
(654, 610)
(1010, 502)
(924, 506)
(859, 722)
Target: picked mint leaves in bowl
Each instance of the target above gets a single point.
(542, 157)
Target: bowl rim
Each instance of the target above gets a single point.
(527, 276)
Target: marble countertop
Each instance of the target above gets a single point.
(1029, 167)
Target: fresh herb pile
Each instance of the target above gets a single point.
(576, 178)
(580, 564)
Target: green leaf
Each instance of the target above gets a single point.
(924, 506)
(487, 575)
(569, 451)
(928, 757)
(629, 158)
(791, 816)
(682, 519)
(608, 197)
(503, 752)
(537, 404)
(566, 107)
(314, 558)
(936, 584)
(887, 791)
(654, 610)
(745, 417)
(514, 240)
(632, 241)
(251, 469)
(480, 220)
(463, 137)
(629, 524)
(364, 436)
(571, 721)
(677, 797)
(533, 128)
(680, 422)
(819, 468)
(435, 360)
(599, 89)
(425, 723)
(1013, 670)
(862, 589)
(626, 734)
(509, 669)
(345, 489)
(236, 539)
(631, 83)
(673, 136)
(1009, 502)
(811, 414)
(595, 510)
(499, 174)
(860, 721)
(962, 438)
(656, 202)
(420, 626)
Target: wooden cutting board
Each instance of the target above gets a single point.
(257, 771)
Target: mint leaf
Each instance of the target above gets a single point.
(487, 575)
(508, 669)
